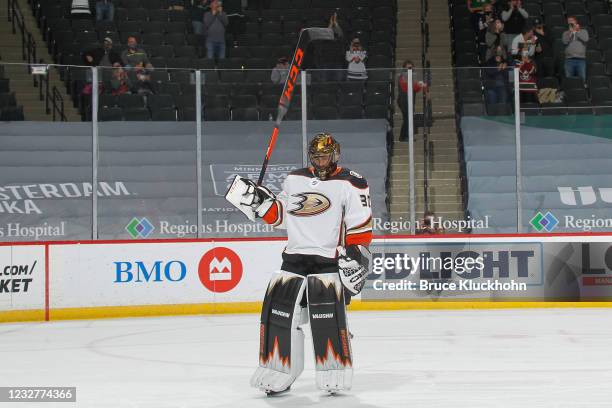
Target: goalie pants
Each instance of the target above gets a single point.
(281, 349)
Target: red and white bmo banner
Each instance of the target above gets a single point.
(90, 275)
(74, 275)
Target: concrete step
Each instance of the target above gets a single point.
(433, 175)
(450, 199)
(401, 147)
(420, 209)
(403, 167)
(438, 145)
(448, 195)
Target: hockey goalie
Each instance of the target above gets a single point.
(326, 212)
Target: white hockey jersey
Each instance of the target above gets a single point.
(321, 215)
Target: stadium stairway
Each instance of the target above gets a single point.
(21, 81)
(445, 194)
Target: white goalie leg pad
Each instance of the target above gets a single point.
(281, 348)
(330, 334)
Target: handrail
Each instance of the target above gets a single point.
(15, 16)
(58, 105)
(427, 150)
(28, 53)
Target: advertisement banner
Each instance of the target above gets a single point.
(22, 277)
(91, 275)
(549, 269)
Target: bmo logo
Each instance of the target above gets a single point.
(220, 269)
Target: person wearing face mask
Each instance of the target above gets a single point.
(355, 57)
(495, 39)
(134, 56)
(487, 19)
(119, 83)
(102, 56)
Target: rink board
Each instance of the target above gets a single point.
(103, 279)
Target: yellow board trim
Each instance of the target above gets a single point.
(22, 316)
(109, 312)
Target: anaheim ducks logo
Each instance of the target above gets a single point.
(310, 204)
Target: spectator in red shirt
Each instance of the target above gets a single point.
(528, 87)
(402, 98)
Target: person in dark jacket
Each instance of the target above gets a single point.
(514, 18)
(102, 56)
(496, 73)
(544, 56)
(197, 15)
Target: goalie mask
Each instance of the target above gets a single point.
(323, 154)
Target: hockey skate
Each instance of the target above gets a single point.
(274, 393)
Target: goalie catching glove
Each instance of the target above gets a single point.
(353, 265)
(253, 200)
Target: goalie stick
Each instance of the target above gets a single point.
(307, 35)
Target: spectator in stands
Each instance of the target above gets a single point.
(528, 87)
(544, 55)
(329, 55)
(495, 39)
(134, 56)
(575, 40)
(514, 18)
(498, 6)
(402, 97)
(176, 5)
(487, 19)
(280, 71)
(79, 9)
(496, 72)
(105, 10)
(428, 225)
(524, 42)
(197, 16)
(356, 56)
(215, 22)
(142, 85)
(119, 83)
(335, 26)
(476, 7)
(102, 56)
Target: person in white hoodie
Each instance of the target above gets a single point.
(355, 57)
(80, 9)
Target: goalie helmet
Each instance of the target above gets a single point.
(323, 154)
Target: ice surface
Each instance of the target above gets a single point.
(469, 358)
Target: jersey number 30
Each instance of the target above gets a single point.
(365, 200)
